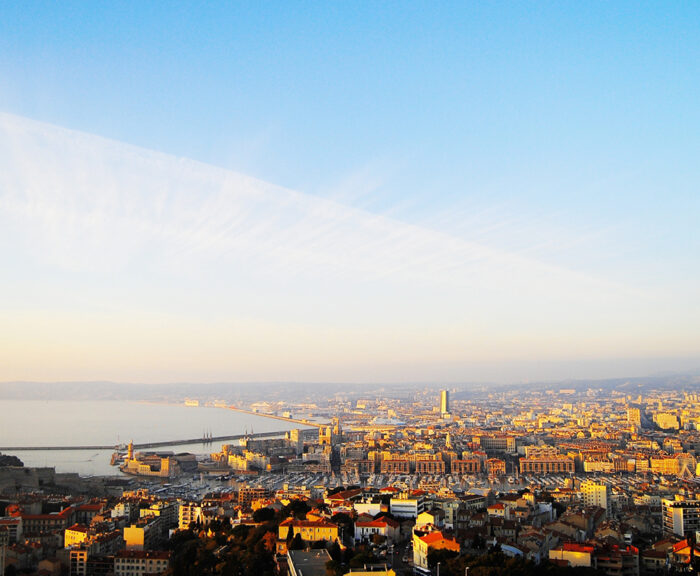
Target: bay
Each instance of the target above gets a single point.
(107, 423)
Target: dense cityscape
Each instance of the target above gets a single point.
(349, 288)
(555, 480)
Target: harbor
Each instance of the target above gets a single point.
(36, 430)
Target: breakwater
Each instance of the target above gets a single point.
(161, 444)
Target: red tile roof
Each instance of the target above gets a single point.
(378, 523)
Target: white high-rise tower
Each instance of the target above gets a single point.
(444, 402)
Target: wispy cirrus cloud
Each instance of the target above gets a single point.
(151, 240)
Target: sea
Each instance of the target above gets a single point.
(110, 423)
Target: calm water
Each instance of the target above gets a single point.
(76, 423)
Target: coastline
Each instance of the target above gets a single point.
(109, 423)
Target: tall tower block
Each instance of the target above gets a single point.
(444, 402)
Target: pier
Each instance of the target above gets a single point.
(162, 444)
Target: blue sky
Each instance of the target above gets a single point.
(560, 135)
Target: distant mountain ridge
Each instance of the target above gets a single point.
(247, 391)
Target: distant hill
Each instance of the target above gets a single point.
(298, 391)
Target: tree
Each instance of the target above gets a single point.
(495, 548)
(264, 515)
(335, 551)
(270, 541)
(361, 558)
(333, 568)
(323, 507)
(296, 508)
(478, 543)
(341, 518)
(297, 543)
(241, 531)
(440, 555)
(185, 556)
(215, 525)
(497, 564)
(559, 508)
(179, 538)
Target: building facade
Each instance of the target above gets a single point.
(680, 517)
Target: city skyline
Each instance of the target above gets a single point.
(371, 194)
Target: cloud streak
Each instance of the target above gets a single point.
(300, 286)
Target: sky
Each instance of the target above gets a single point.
(348, 192)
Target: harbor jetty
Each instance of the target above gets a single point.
(161, 444)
